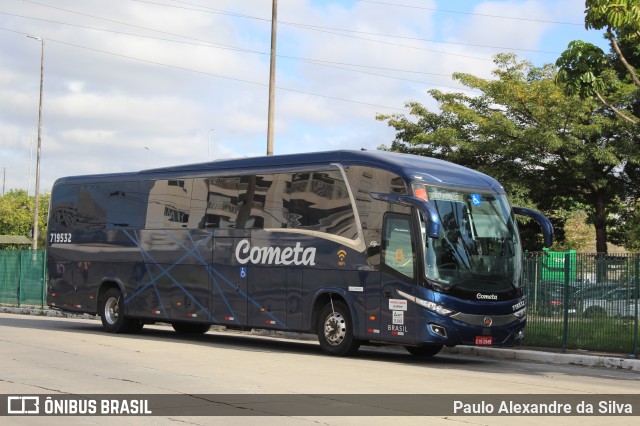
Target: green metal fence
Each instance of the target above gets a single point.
(22, 277)
(574, 300)
(583, 301)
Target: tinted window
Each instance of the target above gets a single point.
(169, 204)
(127, 206)
(215, 202)
(99, 206)
(397, 247)
(320, 202)
(64, 207)
(363, 181)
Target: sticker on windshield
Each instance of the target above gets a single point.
(476, 200)
(444, 195)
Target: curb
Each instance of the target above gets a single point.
(44, 312)
(596, 361)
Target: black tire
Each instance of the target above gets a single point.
(112, 312)
(335, 330)
(189, 328)
(424, 351)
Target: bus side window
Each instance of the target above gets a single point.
(320, 202)
(127, 207)
(398, 245)
(64, 210)
(169, 204)
(221, 199)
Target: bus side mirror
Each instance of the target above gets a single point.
(545, 224)
(428, 210)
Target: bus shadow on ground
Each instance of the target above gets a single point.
(237, 340)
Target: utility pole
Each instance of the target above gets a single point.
(34, 243)
(209, 144)
(272, 77)
(33, 130)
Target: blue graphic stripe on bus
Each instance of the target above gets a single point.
(210, 269)
(214, 281)
(166, 272)
(246, 296)
(195, 252)
(146, 265)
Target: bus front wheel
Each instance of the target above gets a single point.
(112, 312)
(335, 330)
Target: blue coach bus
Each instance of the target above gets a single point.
(354, 246)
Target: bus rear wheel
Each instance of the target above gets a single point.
(187, 328)
(424, 351)
(335, 330)
(112, 312)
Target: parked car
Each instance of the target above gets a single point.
(546, 299)
(620, 302)
(590, 292)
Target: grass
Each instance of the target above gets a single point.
(606, 334)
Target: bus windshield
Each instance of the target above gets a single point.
(478, 248)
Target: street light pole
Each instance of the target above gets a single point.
(34, 243)
(272, 78)
(209, 145)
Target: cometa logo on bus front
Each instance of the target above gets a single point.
(275, 255)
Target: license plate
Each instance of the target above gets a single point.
(484, 340)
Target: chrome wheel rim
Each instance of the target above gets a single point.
(111, 310)
(335, 328)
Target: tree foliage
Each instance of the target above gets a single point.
(16, 214)
(549, 149)
(586, 70)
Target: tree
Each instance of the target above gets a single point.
(16, 214)
(579, 235)
(549, 149)
(612, 79)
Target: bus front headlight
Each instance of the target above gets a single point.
(431, 306)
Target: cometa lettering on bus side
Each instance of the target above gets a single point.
(275, 255)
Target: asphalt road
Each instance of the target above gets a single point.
(42, 355)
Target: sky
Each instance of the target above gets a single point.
(132, 84)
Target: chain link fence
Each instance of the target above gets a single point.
(582, 301)
(23, 277)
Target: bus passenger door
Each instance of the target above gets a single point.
(229, 283)
(398, 274)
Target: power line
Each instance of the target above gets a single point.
(418, 38)
(318, 62)
(211, 74)
(472, 13)
(330, 30)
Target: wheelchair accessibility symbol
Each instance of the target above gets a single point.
(476, 200)
(243, 272)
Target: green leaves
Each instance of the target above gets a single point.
(585, 70)
(548, 148)
(581, 69)
(16, 214)
(620, 15)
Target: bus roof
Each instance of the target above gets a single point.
(410, 167)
